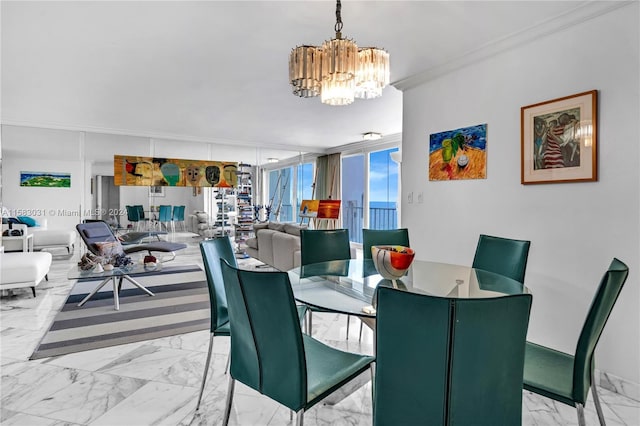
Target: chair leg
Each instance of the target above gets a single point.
(596, 401)
(227, 408)
(580, 408)
(226, 367)
(206, 370)
(373, 393)
(300, 417)
(309, 322)
(33, 289)
(360, 334)
(348, 321)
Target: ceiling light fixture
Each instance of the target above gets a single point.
(338, 71)
(371, 136)
(272, 160)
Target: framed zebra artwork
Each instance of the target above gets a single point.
(559, 140)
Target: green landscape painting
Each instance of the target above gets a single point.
(48, 179)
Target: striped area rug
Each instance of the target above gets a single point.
(180, 305)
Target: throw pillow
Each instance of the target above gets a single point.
(293, 228)
(276, 226)
(257, 226)
(109, 249)
(29, 221)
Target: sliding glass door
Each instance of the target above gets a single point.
(369, 192)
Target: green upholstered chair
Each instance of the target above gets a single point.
(449, 370)
(178, 216)
(165, 216)
(133, 216)
(320, 245)
(567, 378)
(503, 256)
(212, 251)
(383, 237)
(269, 352)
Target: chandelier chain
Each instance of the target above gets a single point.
(338, 26)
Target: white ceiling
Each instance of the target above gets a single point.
(216, 71)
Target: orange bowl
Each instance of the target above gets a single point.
(392, 262)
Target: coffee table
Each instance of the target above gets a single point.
(116, 274)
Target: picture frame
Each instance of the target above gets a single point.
(559, 140)
(156, 191)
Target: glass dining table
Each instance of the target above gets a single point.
(349, 286)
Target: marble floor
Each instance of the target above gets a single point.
(156, 382)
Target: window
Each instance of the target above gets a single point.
(369, 192)
(353, 191)
(279, 207)
(304, 185)
(383, 190)
(287, 188)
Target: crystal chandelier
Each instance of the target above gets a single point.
(338, 71)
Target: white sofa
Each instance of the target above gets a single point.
(19, 270)
(276, 244)
(43, 238)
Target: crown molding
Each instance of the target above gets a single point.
(583, 12)
(159, 135)
(387, 141)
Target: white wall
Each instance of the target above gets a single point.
(88, 154)
(575, 228)
(61, 207)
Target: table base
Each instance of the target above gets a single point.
(116, 288)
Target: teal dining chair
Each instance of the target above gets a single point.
(448, 372)
(503, 256)
(178, 216)
(164, 216)
(565, 377)
(133, 216)
(386, 237)
(269, 352)
(212, 251)
(323, 245)
(378, 237)
(141, 217)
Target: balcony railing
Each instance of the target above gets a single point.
(353, 218)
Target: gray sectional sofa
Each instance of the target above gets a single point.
(276, 244)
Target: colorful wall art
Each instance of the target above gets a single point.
(47, 179)
(154, 171)
(309, 208)
(328, 209)
(458, 154)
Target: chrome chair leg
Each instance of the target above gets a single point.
(206, 370)
(360, 334)
(596, 401)
(300, 417)
(226, 367)
(373, 378)
(309, 322)
(227, 408)
(348, 321)
(580, 408)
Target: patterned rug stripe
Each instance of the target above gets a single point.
(194, 303)
(130, 297)
(124, 339)
(103, 331)
(181, 305)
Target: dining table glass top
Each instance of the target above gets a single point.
(349, 286)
